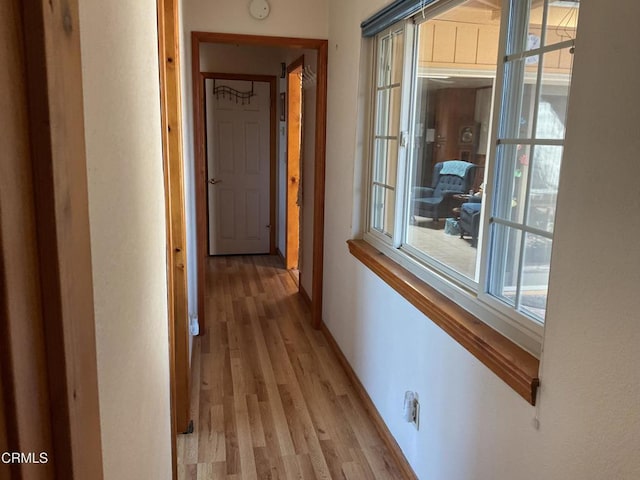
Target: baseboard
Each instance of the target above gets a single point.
(279, 254)
(381, 427)
(304, 294)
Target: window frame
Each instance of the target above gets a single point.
(470, 295)
(403, 124)
(484, 294)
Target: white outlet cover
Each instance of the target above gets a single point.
(259, 9)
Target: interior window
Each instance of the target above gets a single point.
(537, 78)
(390, 56)
(454, 81)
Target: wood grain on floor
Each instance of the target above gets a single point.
(269, 399)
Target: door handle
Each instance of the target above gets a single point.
(213, 181)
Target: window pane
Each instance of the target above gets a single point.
(519, 98)
(562, 20)
(398, 54)
(384, 61)
(382, 209)
(382, 113)
(456, 63)
(394, 112)
(554, 93)
(518, 39)
(505, 256)
(512, 170)
(545, 175)
(385, 167)
(380, 164)
(535, 275)
(526, 30)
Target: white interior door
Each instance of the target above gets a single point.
(238, 168)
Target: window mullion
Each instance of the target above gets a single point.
(485, 252)
(403, 135)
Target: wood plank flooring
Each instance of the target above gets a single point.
(269, 398)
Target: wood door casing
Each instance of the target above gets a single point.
(197, 38)
(171, 117)
(294, 162)
(47, 338)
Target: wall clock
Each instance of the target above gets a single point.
(467, 135)
(259, 9)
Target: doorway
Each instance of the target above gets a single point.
(240, 150)
(198, 41)
(294, 165)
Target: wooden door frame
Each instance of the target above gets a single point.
(178, 309)
(48, 359)
(297, 63)
(273, 129)
(197, 38)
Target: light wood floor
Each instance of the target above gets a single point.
(269, 398)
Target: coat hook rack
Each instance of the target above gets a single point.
(232, 93)
(308, 77)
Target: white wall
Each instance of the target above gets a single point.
(473, 426)
(288, 18)
(254, 60)
(128, 237)
(281, 237)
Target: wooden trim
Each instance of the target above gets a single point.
(200, 176)
(266, 41)
(319, 187)
(294, 164)
(320, 154)
(273, 132)
(298, 62)
(178, 315)
(56, 126)
(376, 418)
(273, 152)
(24, 394)
(517, 367)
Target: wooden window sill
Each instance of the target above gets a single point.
(517, 367)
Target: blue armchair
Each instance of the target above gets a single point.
(469, 222)
(449, 178)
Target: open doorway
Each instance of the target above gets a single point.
(208, 51)
(294, 165)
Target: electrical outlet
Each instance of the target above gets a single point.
(194, 326)
(411, 410)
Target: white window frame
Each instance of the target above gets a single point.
(403, 132)
(472, 296)
(488, 219)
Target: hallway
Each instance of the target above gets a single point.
(272, 400)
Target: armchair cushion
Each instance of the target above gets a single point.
(470, 219)
(436, 201)
(422, 192)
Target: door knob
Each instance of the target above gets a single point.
(213, 181)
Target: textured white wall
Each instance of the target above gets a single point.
(288, 18)
(473, 426)
(128, 237)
